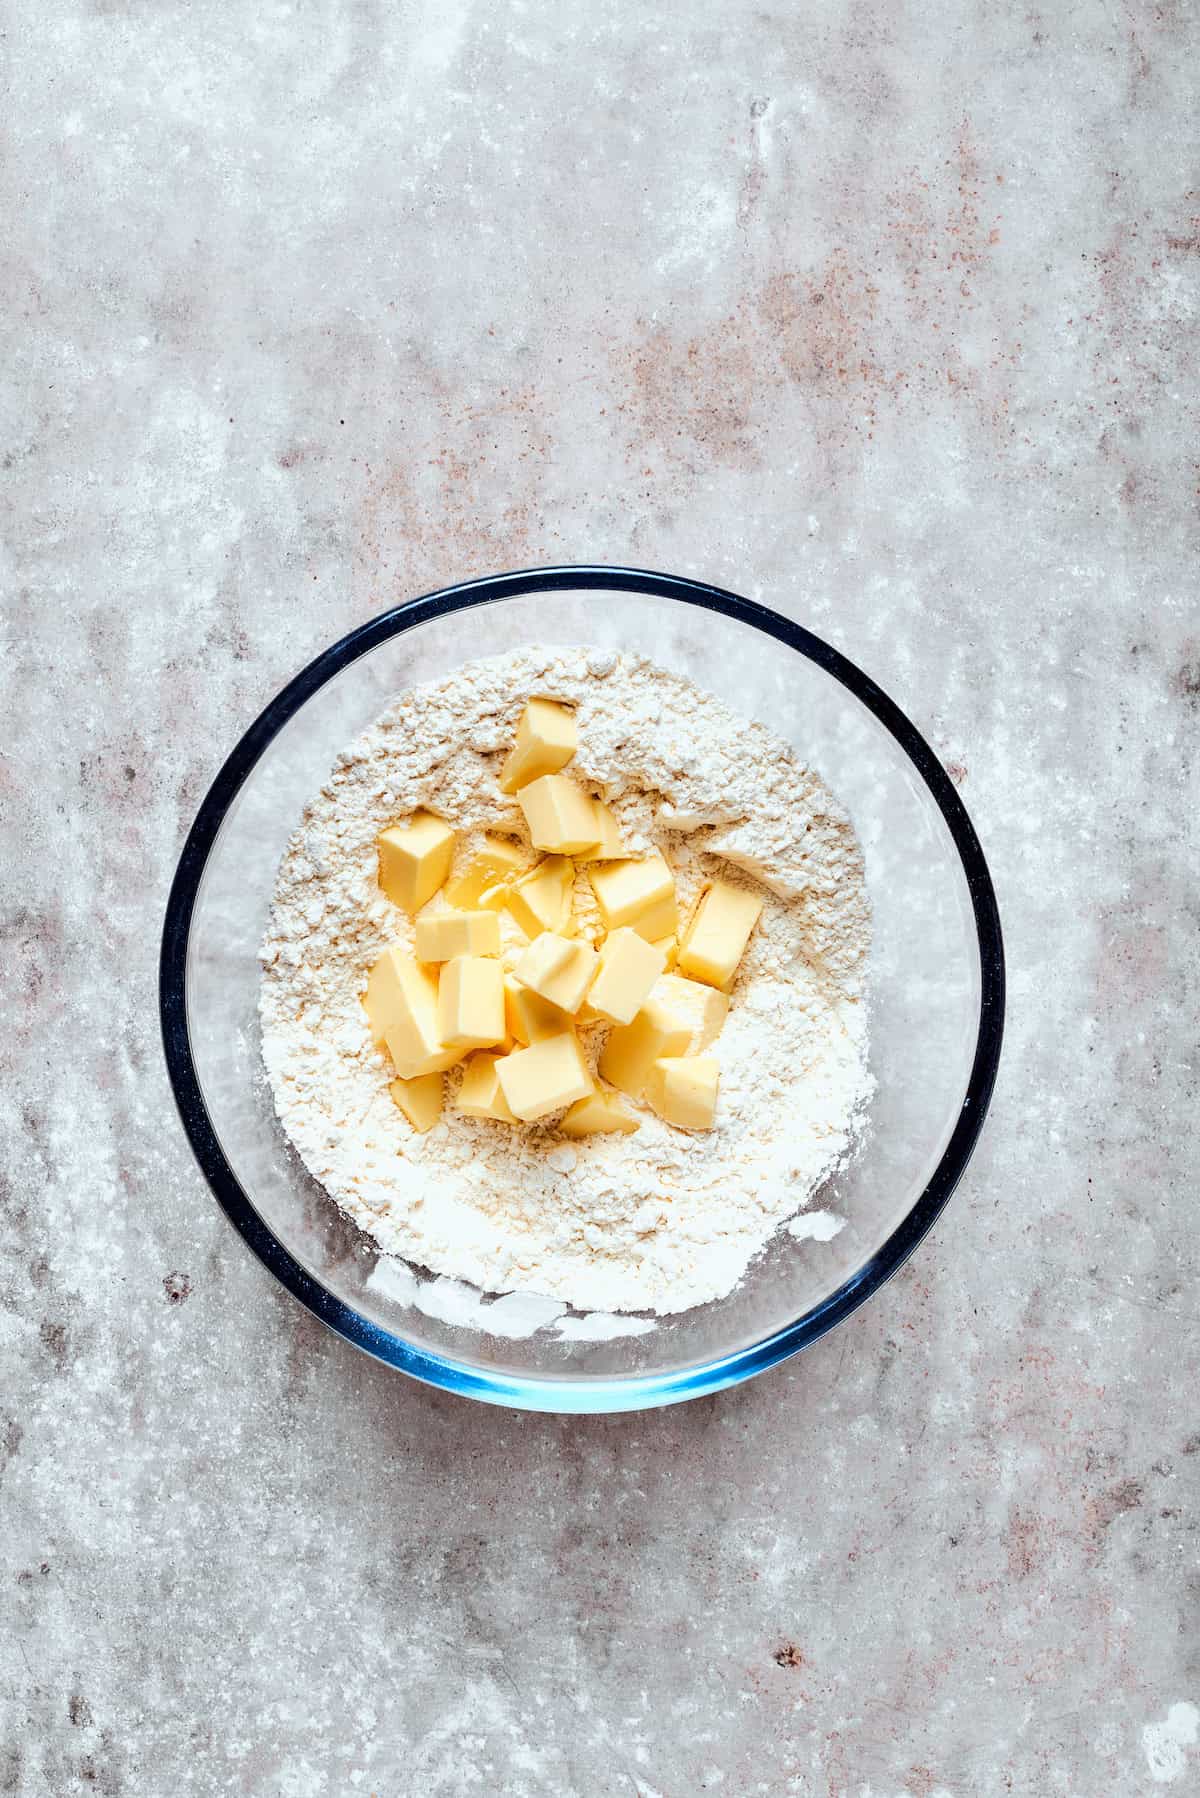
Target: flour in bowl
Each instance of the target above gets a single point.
(658, 1220)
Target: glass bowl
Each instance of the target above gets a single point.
(936, 993)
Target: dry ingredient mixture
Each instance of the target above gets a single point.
(659, 1219)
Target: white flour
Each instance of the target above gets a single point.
(660, 1220)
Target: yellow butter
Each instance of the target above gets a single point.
(557, 968)
(420, 1100)
(560, 815)
(511, 990)
(401, 1003)
(541, 899)
(717, 933)
(702, 1008)
(638, 893)
(683, 1090)
(544, 1077)
(480, 1095)
(414, 860)
(494, 898)
(498, 861)
(628, 968)
(608, 845)
(453, 933)
(529, 1017)
(600, 1112)
(670, 948)
(471, 1003)
(661, 918)
(546, 740)
(384, 990)
(631, 1049)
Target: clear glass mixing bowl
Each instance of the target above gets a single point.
(936, 993)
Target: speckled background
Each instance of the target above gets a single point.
(885, 313)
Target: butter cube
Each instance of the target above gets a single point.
(559, 814)
(471, 1003)
(601, 1111)
(420, 1100)
(683, 1090)
(638, 893)
(632, 1049)
(401, 1003)
(541, 899)
(670, 948)
(546, 740)
(700, 1007)
(480, 1095)
(558, 969)
(607, 846)
(511, 989)
(544, 1077)
(453, 933)
(494, 898)
(661, 918)
(627, 971)
(498, 861)
(414, 860)
(713, 943)
(529, 1017)
(384, 994)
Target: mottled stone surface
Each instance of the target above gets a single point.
(884, 313)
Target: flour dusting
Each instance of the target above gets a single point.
(657, 1221)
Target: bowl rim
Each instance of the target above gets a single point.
(567, 1394)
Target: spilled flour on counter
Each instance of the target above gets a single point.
(656, 1221)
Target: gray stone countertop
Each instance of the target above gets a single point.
(884, 314)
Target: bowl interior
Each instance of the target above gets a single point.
(925, 989)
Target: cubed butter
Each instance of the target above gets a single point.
(702, 1008)
(683, 1090)
(480, 1095)
(560, 815)
(717, 933)
(420, 1100)
(529, 1017)
(631, 1049)
(638, 893)
(414, 860)
(452, 933)
(544, 1077)
(601, 1112)
(401, 1003)
(541, 899)
(661, 918)
(670, 948)
(558, 968)
(498, 861)
(546, 739)
(384, 994)
(471, 1003)
(509, 1041)
(608, 846)
(628, 968)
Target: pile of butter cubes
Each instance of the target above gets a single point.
(662, 990)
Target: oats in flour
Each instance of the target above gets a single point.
(659, 1220)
